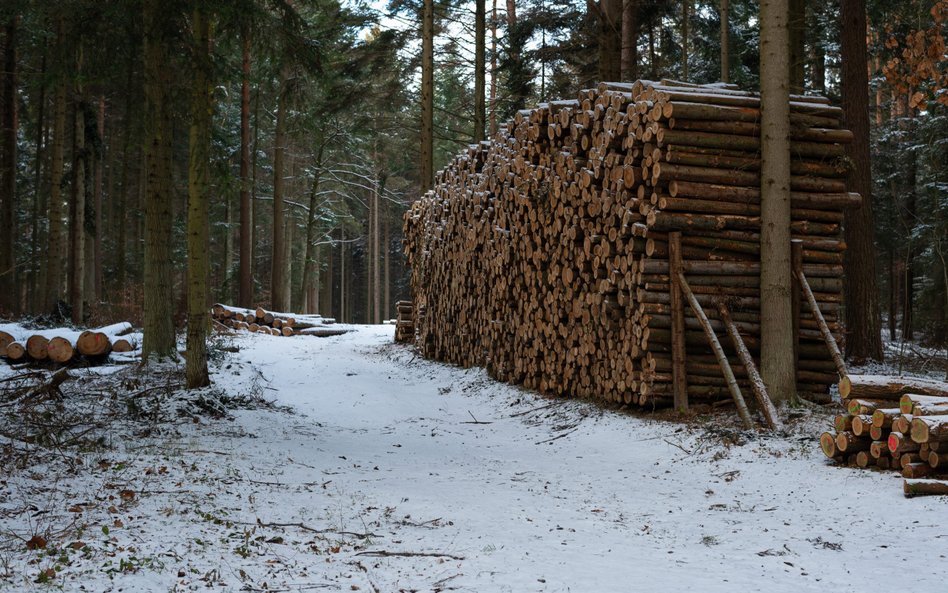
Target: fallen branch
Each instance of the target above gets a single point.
(387, 554)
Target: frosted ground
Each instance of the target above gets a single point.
(371, 469)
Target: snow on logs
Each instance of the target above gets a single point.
(907, 433)
(542, 254)
(65, 345)
(260, 320)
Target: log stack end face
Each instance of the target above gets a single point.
(542, 255)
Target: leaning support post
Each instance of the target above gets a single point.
(679, 376)
(796, 263)
(845, 386)
(757, 384)
(718, 352)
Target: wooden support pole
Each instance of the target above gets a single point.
(719, 353)
(757, 384)
(679, 378)
(796, 263)
(845, 385)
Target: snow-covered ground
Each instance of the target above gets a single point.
(381, 471)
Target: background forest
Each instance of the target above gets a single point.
(314, 125)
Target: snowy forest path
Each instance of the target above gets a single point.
(555, 495)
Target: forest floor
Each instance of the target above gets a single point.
(352, 464)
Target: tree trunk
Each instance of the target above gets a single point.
(630, 40)
(725, 42)
(610, 39)
(817, 51)
(159, 338)
(493, 70)
(199, 144)
(343, 309)
(327, 298)
(797, 48)
(376, 261)
(36, 285)
(56, 245)
(77, 209)
(279, 300)
(386, 240)
(864, 337)
(97, 201)
(686, 10)
(245, 296)
(427, 96)
(310, 250)
(652, 61)
(9, 290)
(777, 363)
(480, 67)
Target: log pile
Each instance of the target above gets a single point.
(272, 323)
(888, 427)
(543, 254)
(404, 324)
(64, 346)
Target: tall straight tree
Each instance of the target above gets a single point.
(686, 9)
(158, 28)
(77, 206)
(776, 314)
(630, 40)
(245, 291)
(56, 244)
(427, 95)
(798, 45)
(725, 42)
(198, 175)
(610, 43)
(278, 294)
(9, 293)
(863, 324)
(480, 68)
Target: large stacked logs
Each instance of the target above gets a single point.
(543, 254)
(908, 434)
(272, 323)
(65, 345)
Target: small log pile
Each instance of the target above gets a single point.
(898, 424)
(272, 323)
(65, 346)
(404, 324)
(543, 254)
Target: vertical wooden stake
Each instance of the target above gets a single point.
(679, 378)
(796, 263)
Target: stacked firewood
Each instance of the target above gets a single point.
(543, 254)
(894, 424)
(404, 324)
(64, 345)
(262, 321)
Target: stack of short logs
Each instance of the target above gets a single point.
(261, 321)
(543, 256)
(404, 323)
(896, 424)
(64, 346)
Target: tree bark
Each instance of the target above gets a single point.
(610, 39)
(310, 250)
(376, 260)
(777, 364)
(97, 185)
(480, 68)
(427, 96)
(630, 40)
(34, 304)
(9, 122)
(279, 300)
(493, 70)
(199, 143)
(245, 291)
(387, 299)
(725, 42)
(159, 338)
(686, 10)
(797, 48)
(56, 251)
(863, 324)
(77, 210)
